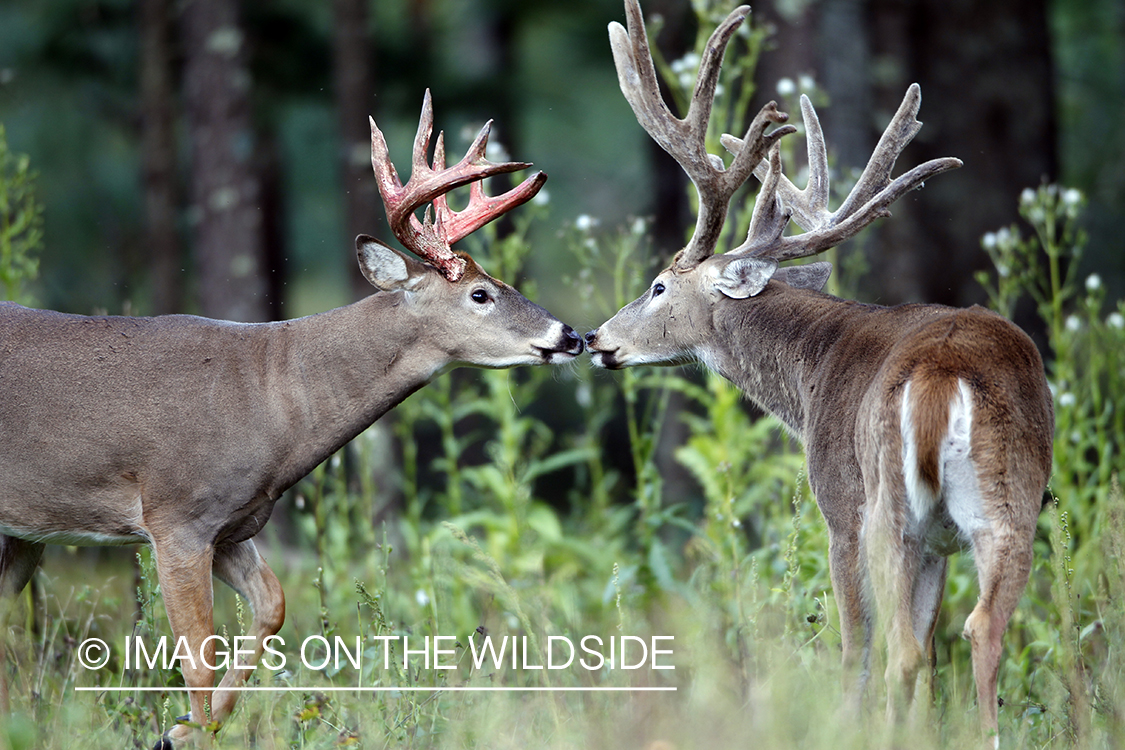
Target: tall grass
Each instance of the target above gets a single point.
(494, 524)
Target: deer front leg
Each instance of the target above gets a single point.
(183, 568)
(929, 588)
(243, 569)
(846, 569)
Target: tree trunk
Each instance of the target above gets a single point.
(355, 102)
(987, 98)
(225, 188)
(158, 157)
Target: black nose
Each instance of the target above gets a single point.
(591, 335)
(572, 338)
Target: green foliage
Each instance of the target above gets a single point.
(21, 224)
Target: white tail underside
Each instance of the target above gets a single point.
(958, 487)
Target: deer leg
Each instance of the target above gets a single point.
(905, 652)
(183, 567)
(894, 559)
(846, 570)
(18, 560)
(1003, 562)
(243, 569)
(929, 588)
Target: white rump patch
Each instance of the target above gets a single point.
(958, 487)
(958, 472)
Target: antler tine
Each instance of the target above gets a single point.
(868, 200)
(431, 237)
(456, 225)
(684, 139)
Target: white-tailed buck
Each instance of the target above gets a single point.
(182, 432)
(926, 428)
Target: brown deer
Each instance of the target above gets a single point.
(926, 428)
(182, 432)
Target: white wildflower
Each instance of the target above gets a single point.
(806, 83)
(1027, 197)
(584, 395)
(989, 240)
(786, 87)
(1003, 271)
(542, 198)
(1115, 320)
(1071, 197)
(1093, 282)
(1073, 323)
(495, 152)
(1067, 399)
(686, 64)
(421, 597)
(585, 222)
(638, 226)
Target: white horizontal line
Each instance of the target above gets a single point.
(336, 689)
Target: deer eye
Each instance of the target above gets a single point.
(657, 289)
(479, 296)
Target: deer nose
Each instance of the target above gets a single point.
(572, 339)
(590, 336)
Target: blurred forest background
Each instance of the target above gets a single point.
(212, 156)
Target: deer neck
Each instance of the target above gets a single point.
(341, 370)
(775, 346)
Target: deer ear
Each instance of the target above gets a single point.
(743, 276)
(386, 268)
(807, 276)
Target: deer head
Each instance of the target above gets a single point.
(671, 322)
(490, 324)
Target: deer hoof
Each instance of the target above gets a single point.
(166, 742)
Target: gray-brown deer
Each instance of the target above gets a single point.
(926, 428)
(182, 432)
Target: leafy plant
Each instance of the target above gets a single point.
(21, 224)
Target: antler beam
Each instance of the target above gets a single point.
(779, 199)
(684, 139)
(432, 237)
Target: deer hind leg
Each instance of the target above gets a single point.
(243, 569)
(1003, 559)
(183, 567)
(903, 585)
(18, 560)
